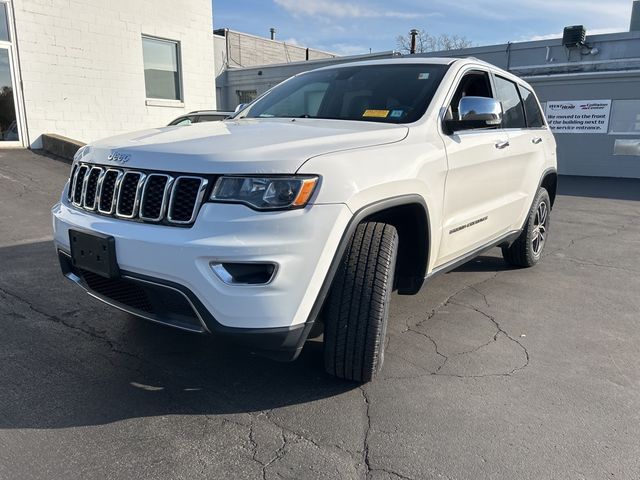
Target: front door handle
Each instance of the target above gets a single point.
(501, 145)
(536, 140)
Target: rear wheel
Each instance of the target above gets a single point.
(358, 304)
(526, 251)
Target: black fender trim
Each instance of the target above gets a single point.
(358, 217)
(548, 171)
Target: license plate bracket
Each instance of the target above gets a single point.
(94, 252)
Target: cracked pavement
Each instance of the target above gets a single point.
(490, 372)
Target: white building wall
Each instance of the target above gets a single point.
(82, 67)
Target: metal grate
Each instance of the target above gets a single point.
(152, 206)
(136, 195)
(78, 184)
(119, 290)
(106, 202)
(128, 194)
(161, 303)
(183, 199)
(91, 187)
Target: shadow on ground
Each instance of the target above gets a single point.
(67, 360)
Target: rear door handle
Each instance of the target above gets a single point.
(536, 140)
(501, 145)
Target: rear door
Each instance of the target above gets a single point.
(477, 183)
(524, 123)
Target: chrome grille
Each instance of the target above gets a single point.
(137, 195)
(91, 187)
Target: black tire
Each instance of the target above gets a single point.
(358, 304)
(524, 252)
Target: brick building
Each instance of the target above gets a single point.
(88, 69)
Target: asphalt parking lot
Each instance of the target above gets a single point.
(490, 372)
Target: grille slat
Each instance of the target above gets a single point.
(136, 195)
(107, 189)
(78, 185)
(184, 197)
(91, 187)
(129, 194)
(154, 197)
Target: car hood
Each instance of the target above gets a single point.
(240, 146)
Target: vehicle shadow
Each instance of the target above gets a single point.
(66, 360)
(485, 263)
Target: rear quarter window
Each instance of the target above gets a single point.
(535, 119)
(513, 112)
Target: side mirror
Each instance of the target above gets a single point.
(476, 112)
(240, 107)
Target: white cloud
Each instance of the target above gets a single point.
(344, 9)
(612, 12)
(550, 36)
(348, 49)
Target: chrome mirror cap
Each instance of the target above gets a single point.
(480, 110)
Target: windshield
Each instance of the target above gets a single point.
(387, 93)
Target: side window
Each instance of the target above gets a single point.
(535, 119)
(473, 84)
(513, 113)
(183, 121)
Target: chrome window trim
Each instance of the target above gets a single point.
(196, 207)
(165, 197)
(136, 200)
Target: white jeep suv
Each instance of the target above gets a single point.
(300, 215)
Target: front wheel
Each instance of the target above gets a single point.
(358, 304)
(526, 251)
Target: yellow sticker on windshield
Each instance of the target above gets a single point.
(376, 113)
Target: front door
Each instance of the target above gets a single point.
(477, 188)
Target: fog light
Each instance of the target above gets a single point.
(244, 273)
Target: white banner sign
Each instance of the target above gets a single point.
(579, 116)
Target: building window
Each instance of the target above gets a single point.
(162, 68)
(4, 26)
(246, 96)
(625, 117)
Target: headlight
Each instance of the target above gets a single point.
(265, 193)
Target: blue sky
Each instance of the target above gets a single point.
(355, 26)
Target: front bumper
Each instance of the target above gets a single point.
(302, 243)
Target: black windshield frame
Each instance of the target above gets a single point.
(387, 93)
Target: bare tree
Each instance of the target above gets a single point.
(425, 42)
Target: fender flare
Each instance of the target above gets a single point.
(360, 215)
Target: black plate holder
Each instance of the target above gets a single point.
(94, 252)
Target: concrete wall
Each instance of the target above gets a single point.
(82, 67)
(591, 154)
(243, 50)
